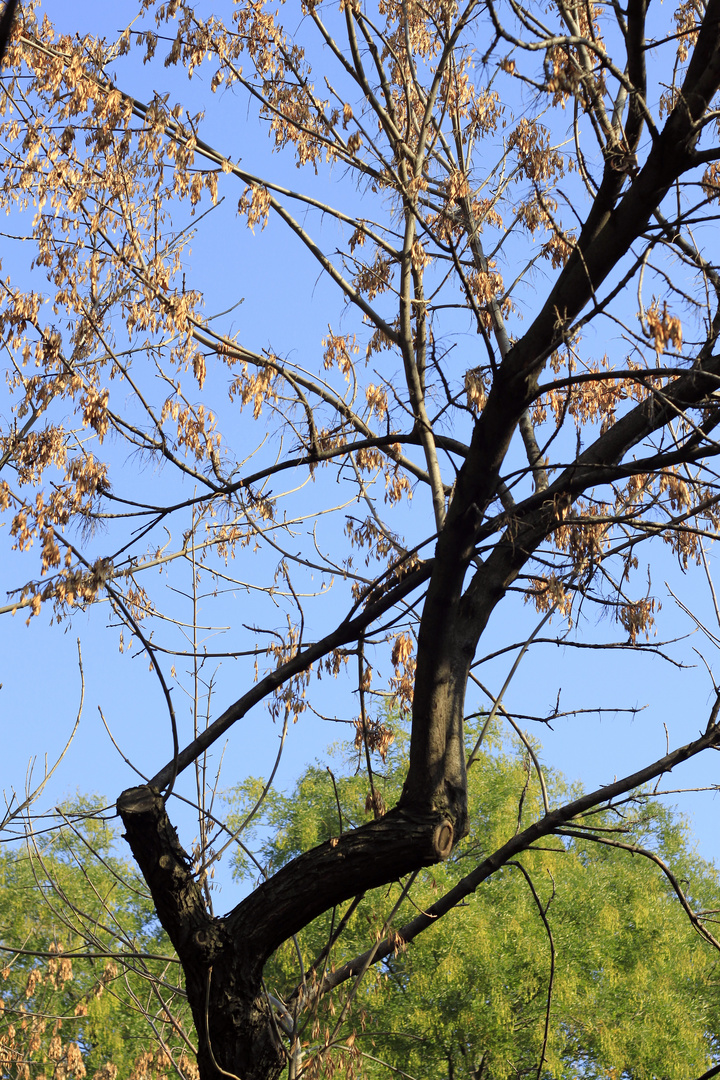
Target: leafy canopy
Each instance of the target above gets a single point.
(88, 982)
(611, 963)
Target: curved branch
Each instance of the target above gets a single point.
(545, 826)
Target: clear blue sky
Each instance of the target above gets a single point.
(39, 663)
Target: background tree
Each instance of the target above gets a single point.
(574, 947)
(437, 144)
(89, 982)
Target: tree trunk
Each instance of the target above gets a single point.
(223, 957)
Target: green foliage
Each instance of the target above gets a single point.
(68, 1015)
(635, 988)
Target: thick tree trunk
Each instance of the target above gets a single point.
(223, 980)
(223, 958)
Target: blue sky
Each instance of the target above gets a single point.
(40, 677)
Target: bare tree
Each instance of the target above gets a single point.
(572, 147)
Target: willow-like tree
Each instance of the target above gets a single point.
(486, 192)
(68, 1008)
(614, 982)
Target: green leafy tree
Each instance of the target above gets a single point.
(88, 982)
(576, 954)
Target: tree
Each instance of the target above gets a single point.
(89, 982)
(575, 147)
(598, 961)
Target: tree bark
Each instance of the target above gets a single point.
(223, 979)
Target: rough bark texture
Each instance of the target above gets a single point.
(223, 978)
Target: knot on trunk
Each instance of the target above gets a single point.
(443, 838)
